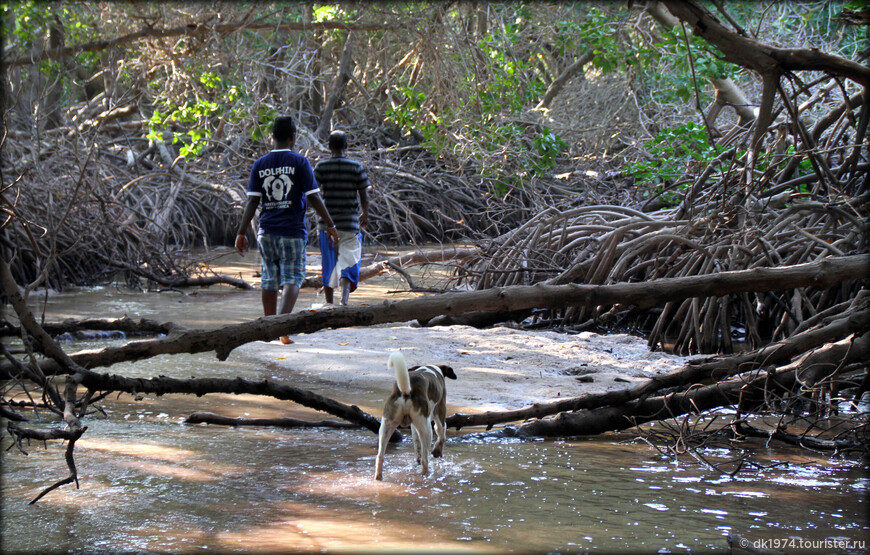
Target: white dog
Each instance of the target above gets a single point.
(419, 397)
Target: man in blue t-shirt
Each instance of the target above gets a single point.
(284, 182)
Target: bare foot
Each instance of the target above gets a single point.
(285, 340)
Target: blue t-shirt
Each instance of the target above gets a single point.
(283, 180)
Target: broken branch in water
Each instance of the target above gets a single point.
(221, 420)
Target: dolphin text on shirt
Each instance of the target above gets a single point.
(277, 171)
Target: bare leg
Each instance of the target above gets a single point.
(327, 294)
(345, 290)
(270, 302)
(288, 298)
(288, 301)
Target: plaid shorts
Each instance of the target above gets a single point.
(283, 261)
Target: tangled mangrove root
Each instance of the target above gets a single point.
(723, 218)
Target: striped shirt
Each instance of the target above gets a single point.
(339, 180)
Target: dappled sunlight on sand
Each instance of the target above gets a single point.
(477, 408)
(497, 372)
(176, 471)
(141, 449)
(256, 406)
(162, 460)
(151, 484)
(497, 369)
(364, 487)
(308, 527)
(330, 349)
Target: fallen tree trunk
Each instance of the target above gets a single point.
(124, 324)
(145, 326)
(162, 385)
(696, 371)
(747, 391)
(821, 274)
(221, 420)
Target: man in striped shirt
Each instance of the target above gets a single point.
(343, 183)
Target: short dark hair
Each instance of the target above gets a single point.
(337, 140)
(283, 129)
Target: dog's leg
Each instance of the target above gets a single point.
(415, 439)
(441, 432)
(384, 434)
(439, 416)
(424, 434)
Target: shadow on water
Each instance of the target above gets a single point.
(150, 483)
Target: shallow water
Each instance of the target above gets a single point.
(149, 483)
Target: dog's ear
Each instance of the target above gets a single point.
(447, 371)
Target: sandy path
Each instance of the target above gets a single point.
(498, 368)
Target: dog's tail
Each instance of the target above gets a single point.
(400, 367)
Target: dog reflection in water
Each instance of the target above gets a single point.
(419, 397)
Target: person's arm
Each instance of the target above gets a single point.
(320, 208)
(364, 207)
(247, 216)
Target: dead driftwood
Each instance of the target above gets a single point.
(127, 325)
(708, 370)
(747, 391)
(820, 275)
(162, 385)
(221, 420)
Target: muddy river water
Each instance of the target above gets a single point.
(150, 483)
